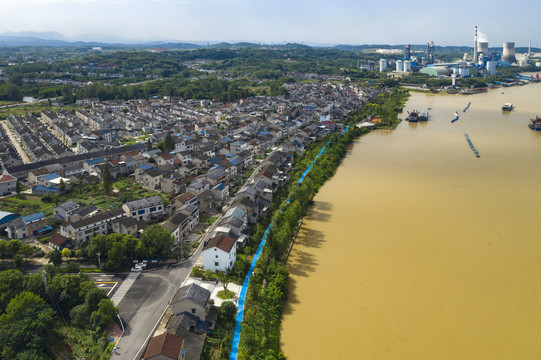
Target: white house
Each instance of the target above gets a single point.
(220, 253)
(145, 209)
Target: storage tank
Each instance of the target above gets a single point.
(399, 65)
(491, 67)
(382, 65)
(523, 63)
(538, 63)
(407, 65)
(509, 52)
(464, 72)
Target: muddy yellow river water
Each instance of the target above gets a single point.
(416, 249)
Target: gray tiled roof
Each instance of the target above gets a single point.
(194, 292)
(144, 203)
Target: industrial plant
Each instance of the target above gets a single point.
(483, 62)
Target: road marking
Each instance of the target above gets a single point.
(105, 282)
(110, 292)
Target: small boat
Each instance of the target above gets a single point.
(535, 124)
(507, 107)
(456, 117)
(423, 115)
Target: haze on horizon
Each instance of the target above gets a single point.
(308, 21)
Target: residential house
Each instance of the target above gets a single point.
(27, 226)
(145, 209)
(59, 242)
(125, 225)
(150, 179)
(220, 253)
(82, 230)
(65, 210)
(183, 199)
(193, 299)
(8, 184)
(205, 200)
(166, 346)
(179, 226)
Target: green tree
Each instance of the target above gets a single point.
(168, 143)
(18, 187)
(13, 247)
(17, 261)
(26, 320)
(62, 186)
(102, 317)
(55, 257)
(26, 250)
(157, 240)
(66, 253)
(107, 179)
(149, 144)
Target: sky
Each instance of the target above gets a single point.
(277, 21)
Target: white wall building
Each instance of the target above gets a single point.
(220, 253)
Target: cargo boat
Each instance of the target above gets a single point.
(413, 116)
(507, 107)
(474, 91)
(423, 115)
(535, 124)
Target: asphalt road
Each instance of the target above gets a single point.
(144, 304)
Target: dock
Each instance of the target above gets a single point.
(471, 145)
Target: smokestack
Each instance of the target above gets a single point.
(530, 48)
(509, 52)
(475, 46)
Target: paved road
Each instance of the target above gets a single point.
(144, 304)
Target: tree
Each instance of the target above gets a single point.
(107, 179)
(157, 240)
(18, 187)
(66, 253)
(168, 143)
(62, 186)
(149, 144)
(224, 279)
(26, 320)
(55, 257)
(13, 247)
(17, 261)
(26, 250)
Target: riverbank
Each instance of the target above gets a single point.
(267, 290)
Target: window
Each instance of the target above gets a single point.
(159, 207)
(193, 310)
(133, 213)
(216, 256)
(152, 209)
(141, 212)
(216, 263)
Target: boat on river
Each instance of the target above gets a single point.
(413, 116)
(423, 115)
(507, 107)
(535, 124)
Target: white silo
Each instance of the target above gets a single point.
(407, 65)
(538, 63)
(464, 72)
(399, 65)
(509, 52)
(491, 67)
(382, 65)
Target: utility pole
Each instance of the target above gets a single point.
(99, 263)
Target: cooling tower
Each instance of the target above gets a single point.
(482, 47)
(509, 52)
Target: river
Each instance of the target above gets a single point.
(416, 249)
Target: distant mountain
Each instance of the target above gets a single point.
(226, 45)
(44, 35)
